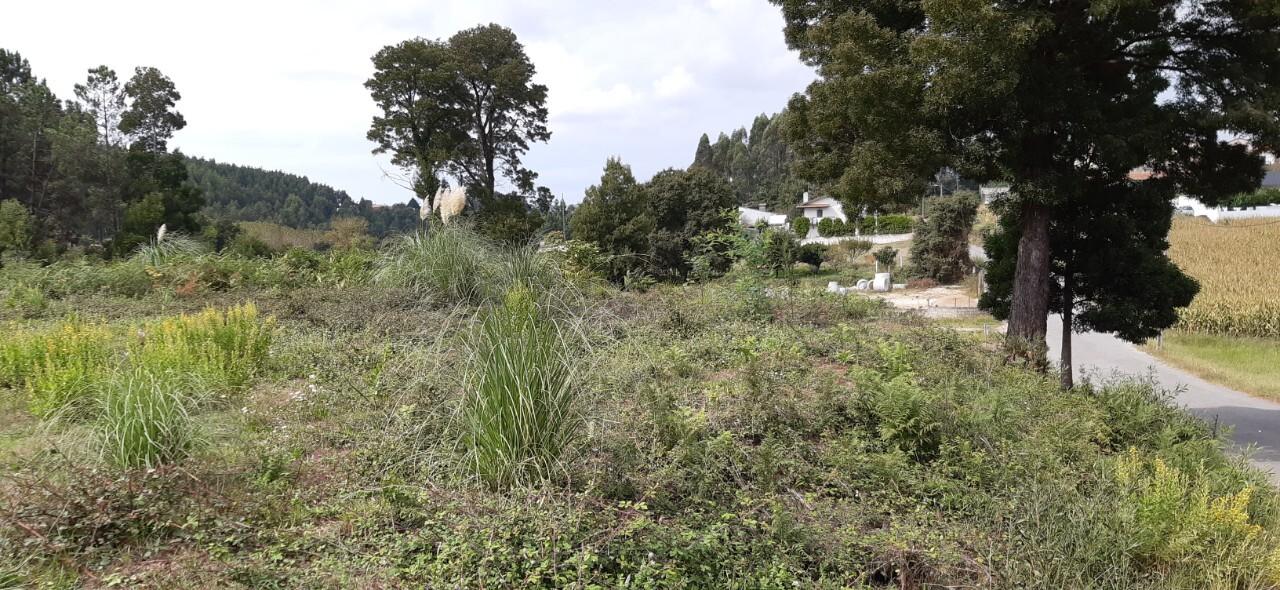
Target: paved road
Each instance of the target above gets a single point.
(1256, 422)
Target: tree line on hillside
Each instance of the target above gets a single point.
(757, 163)
(95, 170)
(246, 193)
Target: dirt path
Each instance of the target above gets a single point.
(1255, 422)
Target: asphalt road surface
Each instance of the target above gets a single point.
(1255, 422)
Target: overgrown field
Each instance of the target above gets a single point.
(448, 414)
(1235, 264)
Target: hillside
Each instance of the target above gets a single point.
(246, 193)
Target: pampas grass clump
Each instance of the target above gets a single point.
(519, 413)
(450, 263)
(144, 419)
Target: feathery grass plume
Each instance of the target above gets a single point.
(448, 263)
(450, 202)
(144, 419)
(519, 412)
(168, 247)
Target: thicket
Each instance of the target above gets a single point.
(739, 433)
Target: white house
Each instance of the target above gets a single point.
(751, 217)
(991, 193)
(822, 208)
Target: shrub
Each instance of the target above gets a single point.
(448, 263)
(15, 227)
(249, 246)
(144, 419)
(26, 300)
(886, 256)
(224, 348)
(519, 410)
(887, 224)
(167, 249)
(831, 227)
(812, 254)
(800, 226)
(846, 254)
(58, 367)
(940, 250)
(780, 251)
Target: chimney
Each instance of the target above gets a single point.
(804, 199)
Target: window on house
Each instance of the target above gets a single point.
(819, 213)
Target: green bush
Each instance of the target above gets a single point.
(887, 224)
(780, 251)
(27, 301)
(1260, 198)
(520, 411)
(830, 227)
(800, 226)
(940, 249)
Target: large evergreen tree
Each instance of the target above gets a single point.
(1055, 97)
(613, 216)
(466, 108)
(1109, 269)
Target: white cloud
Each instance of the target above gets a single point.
(674, 84)
(279, 83)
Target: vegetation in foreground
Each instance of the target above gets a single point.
(550, 431)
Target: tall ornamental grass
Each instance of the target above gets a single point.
(449, 262)
(519, 410)
(144, 419)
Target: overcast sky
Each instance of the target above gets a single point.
(279, 83)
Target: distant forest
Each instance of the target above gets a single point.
(756, 162)
(246, 193)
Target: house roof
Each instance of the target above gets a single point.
(815, 204)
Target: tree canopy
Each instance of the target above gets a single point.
(757, 163)
(466, 109)
(1057, 98)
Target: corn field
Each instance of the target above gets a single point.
(1235, 263)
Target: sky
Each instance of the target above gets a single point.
(279, 84)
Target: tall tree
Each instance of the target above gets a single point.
(1056, 97)
(505, 110)
(152, 117)
(466, 108)
(613, 216)
(415, 86)
(703, 156)
(104, 99)
(1109, 269)
(684, 204)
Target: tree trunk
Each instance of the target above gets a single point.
(1068, 317)
(1029, 314)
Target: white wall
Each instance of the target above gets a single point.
(1216, 214)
